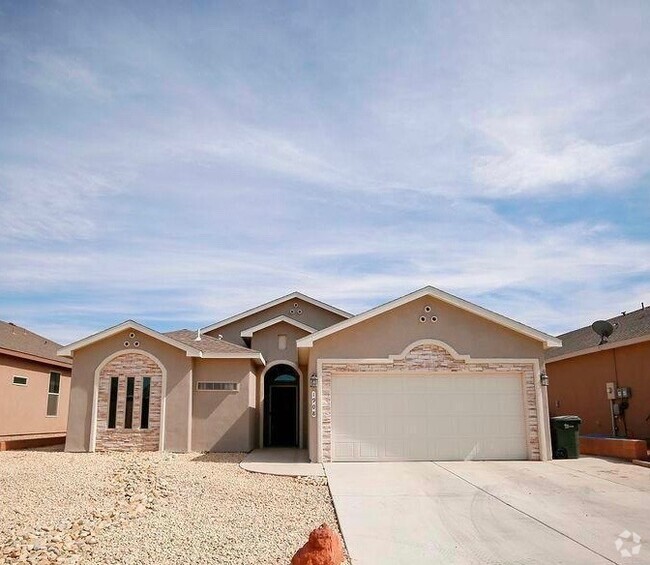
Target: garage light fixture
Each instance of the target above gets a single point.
(543, 379)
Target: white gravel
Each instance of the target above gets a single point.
(152, 508)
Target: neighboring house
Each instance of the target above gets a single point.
(426, 376)
(580, 370)
(34, 389)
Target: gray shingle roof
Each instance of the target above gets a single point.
(21, 340)
(630, 326)
(208, 344)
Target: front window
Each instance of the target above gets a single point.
(53, 394)
(112, 403)
(128, 413)
(146, 394)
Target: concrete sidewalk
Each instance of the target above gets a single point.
(288, 462)
(491, 512)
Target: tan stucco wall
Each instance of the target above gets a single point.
(390, 333)
(177, 398)
(577, 386)
(311, 315)
(224, 421)
(266, 341)
(23, 409)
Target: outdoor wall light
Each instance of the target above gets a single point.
(543, 378)
(313, 380)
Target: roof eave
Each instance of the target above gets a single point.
(257, 356)
(273, 303)
(547, 340)
(38, 358)
(597, 348)
(248, 332)
(68, 350)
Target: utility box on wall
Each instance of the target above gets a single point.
(623, 392)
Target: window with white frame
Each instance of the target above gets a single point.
(19, 380)
(216, 385)
(53, 394)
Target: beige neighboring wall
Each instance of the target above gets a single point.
(224, 420)
(178, 394)
(312, 315)
(391, 332)
(23, 409)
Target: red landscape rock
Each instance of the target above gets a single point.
(323, 548)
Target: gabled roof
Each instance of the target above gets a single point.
(22, 342)
(250, 331)
(186, 340)
(633, 327)
(265, 306)
(546, 339)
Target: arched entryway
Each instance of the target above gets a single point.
(281, 406)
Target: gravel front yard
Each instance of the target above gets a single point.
(152, 508)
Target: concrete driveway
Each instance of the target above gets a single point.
(493, 512)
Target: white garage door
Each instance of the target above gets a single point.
(436, 417)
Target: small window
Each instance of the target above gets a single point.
(20, 381)
(53, 394)
(213, 385)
(112, 403)
(128, 412)
(146, 394)
(282, 342)
(284, 379)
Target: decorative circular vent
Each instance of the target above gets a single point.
(423, 319)
(126, 344)
(427, 309)
(434, 318)
(295, 305)
(299, 311)
(132, 335)
(292, 311)
(136, 344)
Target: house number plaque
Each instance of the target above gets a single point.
(313, 403)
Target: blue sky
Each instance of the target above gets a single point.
(179, 163)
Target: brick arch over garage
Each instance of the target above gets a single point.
(122, 365)
(430, 356)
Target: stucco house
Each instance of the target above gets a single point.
(580, 371)
(34, 389)
(425, 376)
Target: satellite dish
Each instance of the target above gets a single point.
(603, 328)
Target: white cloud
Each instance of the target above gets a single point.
(531, 160)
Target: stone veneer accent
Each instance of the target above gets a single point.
(433, 358)
(134, 439)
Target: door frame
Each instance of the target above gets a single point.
(299, 403)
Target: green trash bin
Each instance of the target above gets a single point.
(565, 436)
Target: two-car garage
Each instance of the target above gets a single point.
(428, 376)
(427, 417)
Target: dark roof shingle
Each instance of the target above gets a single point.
(629, 326)
(207, 344)
(21, 340)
